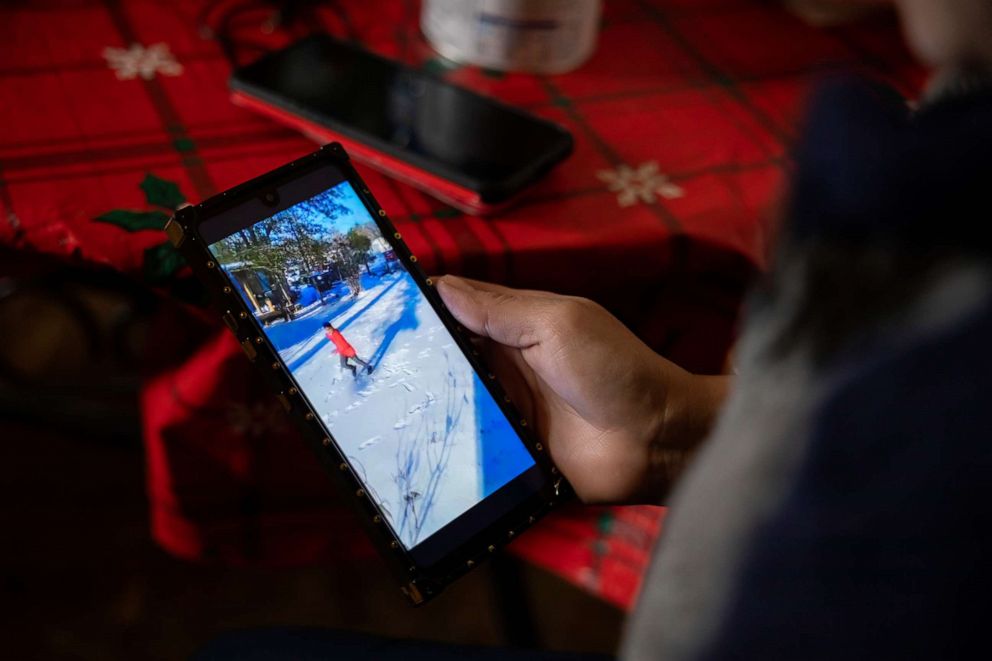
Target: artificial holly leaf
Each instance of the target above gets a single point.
(438, 66)
(161, 262)
(134, 221)
(447, 212)
(162, 193)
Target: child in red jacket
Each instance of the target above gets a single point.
(345, 350)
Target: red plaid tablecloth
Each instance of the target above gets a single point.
(113, 113)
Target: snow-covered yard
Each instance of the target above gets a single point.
(421, 429)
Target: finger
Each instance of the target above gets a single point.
(505, 315)
(502, 289)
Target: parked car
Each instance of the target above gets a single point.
(325, 280)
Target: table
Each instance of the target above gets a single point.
(115, 113)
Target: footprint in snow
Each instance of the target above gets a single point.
(372, 441)
(408, 387)
(423, 405)
(401, 424)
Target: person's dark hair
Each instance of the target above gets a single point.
(327, 324)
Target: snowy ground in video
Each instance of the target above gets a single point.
(421, 430)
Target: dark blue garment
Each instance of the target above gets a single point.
(882, 546)
(882, 549)
(870, 171)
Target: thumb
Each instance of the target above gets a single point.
(508, 316)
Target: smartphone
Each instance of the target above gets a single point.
(326, 298)
(470, 151)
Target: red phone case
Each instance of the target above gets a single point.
(445, 190)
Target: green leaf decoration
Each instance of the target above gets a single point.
(135, 221)
(604, 523)
(162, 193)
(438, 66)
(447, 212)
(161, 262)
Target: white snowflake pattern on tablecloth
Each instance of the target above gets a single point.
(640, 184)
(139, 61)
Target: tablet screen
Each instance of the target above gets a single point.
(380, 369)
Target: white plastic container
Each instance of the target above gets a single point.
(536, 36)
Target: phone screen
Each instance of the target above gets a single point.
(372, 356)
(466, 137)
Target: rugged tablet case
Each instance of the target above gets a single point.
(418, 583)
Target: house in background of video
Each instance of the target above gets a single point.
(382, 250)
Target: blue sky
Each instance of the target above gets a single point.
(357, 213)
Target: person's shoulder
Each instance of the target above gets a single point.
(856, 95)
(868, 169)
(847, 158)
